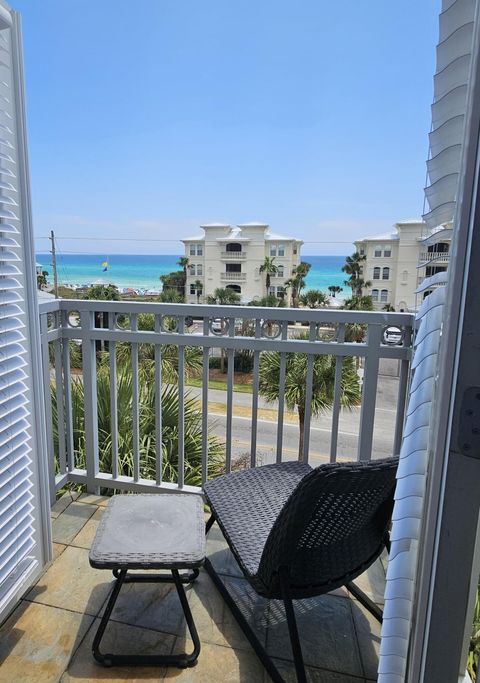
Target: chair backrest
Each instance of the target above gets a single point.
(332, 527)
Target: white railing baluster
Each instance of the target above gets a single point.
(337, 394)
(281, 394)
(369, 392)
(87, 323)
(158, 407)
(48, 404)
(255, 393)
(181, 404)
(62, 459)
(230, 376)
(112, 357)
(135, 402)
(205, 378)
(67, 388)
(308, 394)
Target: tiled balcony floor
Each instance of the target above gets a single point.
(48, 637)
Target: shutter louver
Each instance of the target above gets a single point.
(17, 540)
(448, 109)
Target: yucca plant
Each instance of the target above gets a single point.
(474, 650)
(193, 434)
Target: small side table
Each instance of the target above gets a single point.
(150, 531)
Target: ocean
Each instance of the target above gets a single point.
(142, 271)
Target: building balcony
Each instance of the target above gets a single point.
(233, 255)
(102, 360)
(236, 277)
(437, 256)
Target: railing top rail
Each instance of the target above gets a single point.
(322, 315)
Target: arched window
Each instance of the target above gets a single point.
(374, 294)
(280, 271)
(378, 250)
(376, 273)
(233, 246)
(191, 269)
(386, 274)
(384, 296)
(234, 288)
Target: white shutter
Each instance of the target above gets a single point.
(20, 532)
(448, 109)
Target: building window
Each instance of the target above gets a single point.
(384, 296)
(191, 269)
(193, 289)
(378, 251)
(199, 249)
(280, 292)
(271, 290)
(281, 250)
(374, 294)
(273, 250)
(199, 269)
(233, 246)
(362, 251)
(405, 277)
(386, 274)
(376, 273)
(233, 267)
(193, 249)
(387, 250)
(280, 270)
(295, 249)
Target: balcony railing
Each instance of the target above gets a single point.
(239, 277)
(233, 255)
(435, 256)
(100, 360)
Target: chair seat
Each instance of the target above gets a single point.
(246, 505)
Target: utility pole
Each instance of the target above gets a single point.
(54, 264)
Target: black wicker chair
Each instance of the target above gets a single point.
(297, 532)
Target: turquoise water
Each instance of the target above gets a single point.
(143, 271)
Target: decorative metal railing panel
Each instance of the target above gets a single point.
(121, 413)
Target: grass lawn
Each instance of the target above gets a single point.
(220, 384)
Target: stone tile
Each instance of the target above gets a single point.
(68, 524)
(62, 503)
(254, 608)
(368, 636)
(152, 606)
(71, 583)
(287, 670)
(124, 639)
(208, 610)
(58, 549)
(372, 582)
(37, 641)
(92, 499)
(220, 554)
(217, 664)
(87, 533)
(326, 630)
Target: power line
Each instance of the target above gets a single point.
(149, 239)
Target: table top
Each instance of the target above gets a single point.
(150, 531)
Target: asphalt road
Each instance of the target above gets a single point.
(320, 434)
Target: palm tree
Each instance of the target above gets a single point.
(355, 332)
(314, 298)
(198, 284)
(269, 268)
(183, 262)
(335, 289)
(297, 281)
(389, 308)
(224, 296)
(296, 382)
(353, 267)
(170, 296)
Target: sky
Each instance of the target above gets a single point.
(148, 119)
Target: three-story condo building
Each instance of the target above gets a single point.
(231, 257)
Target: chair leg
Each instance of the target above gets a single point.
(292, 627)
(367, 602)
